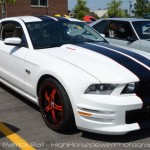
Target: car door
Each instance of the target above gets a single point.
(121, 33)
(142, 28)
(11, 56)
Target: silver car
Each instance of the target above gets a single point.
(131, 32)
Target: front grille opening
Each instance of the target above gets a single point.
(138, 116)
(143, 89)
(141, 115)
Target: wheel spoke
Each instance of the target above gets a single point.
(57, 107)
(47, 97)
(53, 94)
(48, 108)
(54, 117)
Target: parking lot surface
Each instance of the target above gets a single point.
(24, 121)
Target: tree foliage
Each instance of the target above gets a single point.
(81, 9)
(142, 8)
(8, 1)
(114, 9)
(94, 15)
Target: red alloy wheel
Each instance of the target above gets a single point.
(52, 106)
(55, 106)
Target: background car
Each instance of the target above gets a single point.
(131, 32)
(74, 75)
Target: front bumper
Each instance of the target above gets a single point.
(108, 114)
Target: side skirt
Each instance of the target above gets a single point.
(21, 92)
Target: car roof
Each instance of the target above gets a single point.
(120, 19)
(127, 19)
(27, 19)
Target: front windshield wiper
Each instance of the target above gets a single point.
(94, 41)
(91, 41)
(49, 46)
(56, 45)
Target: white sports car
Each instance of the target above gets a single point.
(74, 75)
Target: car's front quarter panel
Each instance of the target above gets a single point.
(70, 76)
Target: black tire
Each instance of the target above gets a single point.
(55, 106)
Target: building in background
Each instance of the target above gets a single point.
(36, 7)
(101, 13)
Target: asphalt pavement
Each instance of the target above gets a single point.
(24, 120)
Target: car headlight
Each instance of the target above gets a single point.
(130, 88)
(101, 89)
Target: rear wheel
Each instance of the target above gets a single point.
(55, 106)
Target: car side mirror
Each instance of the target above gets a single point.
(13, 41)
(131, 39)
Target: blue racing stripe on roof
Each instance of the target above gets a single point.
(46, 18)
(62, 19)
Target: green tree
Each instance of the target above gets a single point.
(7, 1)
(142, 8)
(94, 15)
(81, 9)
(114, 9)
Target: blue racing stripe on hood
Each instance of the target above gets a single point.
(137, 56)
(141, 72)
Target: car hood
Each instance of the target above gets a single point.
(145, 53)
(145, 45)
(93, 59)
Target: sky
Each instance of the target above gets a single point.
(96, 4)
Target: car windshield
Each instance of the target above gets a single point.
(45, 34)
(143, 29)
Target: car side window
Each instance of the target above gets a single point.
(13, 29)
(7, 30)
(100, 26)
(119, 30)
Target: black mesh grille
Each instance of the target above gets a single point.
(143, 90)
(138, 116)
(141, 115)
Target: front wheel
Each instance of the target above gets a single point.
(55, 106)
